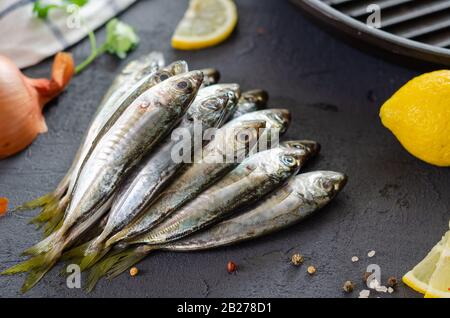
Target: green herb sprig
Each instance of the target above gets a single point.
(120, 37)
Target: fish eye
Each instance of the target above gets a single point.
(211, 106)
(163, 77)
(327, 184)
(182, 85)
(298, 146)
(288, 160)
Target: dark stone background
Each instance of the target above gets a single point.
(393, 204)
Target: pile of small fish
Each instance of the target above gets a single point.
(125, 196)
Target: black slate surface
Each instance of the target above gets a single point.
(393, 203)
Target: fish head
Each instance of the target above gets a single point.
(310, 148)
(178, 91)
(233, 90)
(277, 119)
(145, 65)
(258, 97)
(175, 68)
(236, 139)
(210, 110)
(212, 76)
(319, 187)
(278, 163)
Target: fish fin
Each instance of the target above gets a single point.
(54, 223)
(101, 268)
(42, 247)
(35, 275)
(36, 203)
(36, 266)
(46, 213)
(92, 257)
(76, 253)
(25, 266)
(133, 257)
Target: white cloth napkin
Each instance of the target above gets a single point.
(28, 40)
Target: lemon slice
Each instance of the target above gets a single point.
(419, 277)
(205, 23)
(439, 285)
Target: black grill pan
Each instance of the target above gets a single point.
(418, 29)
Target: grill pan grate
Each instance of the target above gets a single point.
(416, 28)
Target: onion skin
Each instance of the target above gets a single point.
(22, 100)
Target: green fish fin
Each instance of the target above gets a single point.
(41, 201)
(101, 268)
(76, 253)
(124, 263)
(54, 223)
(42, 247)
(92, 257)
(25, 266)
(46, 213)
(36, 274)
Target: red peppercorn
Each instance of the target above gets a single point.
(231, 267)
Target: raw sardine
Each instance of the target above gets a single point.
(136, 131)
(302, 196)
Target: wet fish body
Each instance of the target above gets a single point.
(131, 74)
(195, 179)
(303, 195)
(251, 101)
(248, 182)
(158, 168)
(136, 131)
(134, 71)
(300, 197)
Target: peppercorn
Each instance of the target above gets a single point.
(348, 286)
(392, 282)
(311, 270)
(231, 267)
(133, 271)
(297, 259)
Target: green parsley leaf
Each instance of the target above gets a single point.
(41, 9)
(120, 38)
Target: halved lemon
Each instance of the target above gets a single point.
(419, 277)
(205, 23)
(439, 285)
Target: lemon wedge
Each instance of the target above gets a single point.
(439, 284)
(205, 23)
(419, 277)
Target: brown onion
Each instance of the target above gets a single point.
(22, 100)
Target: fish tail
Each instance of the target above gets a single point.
(36, 203)
(47, 212)
(76, 253)
(36, 274)
(25, 266)
(92, 256)
(100, 269)
(133, 257)
(36, 267)
(54, 223)
(43, 246)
